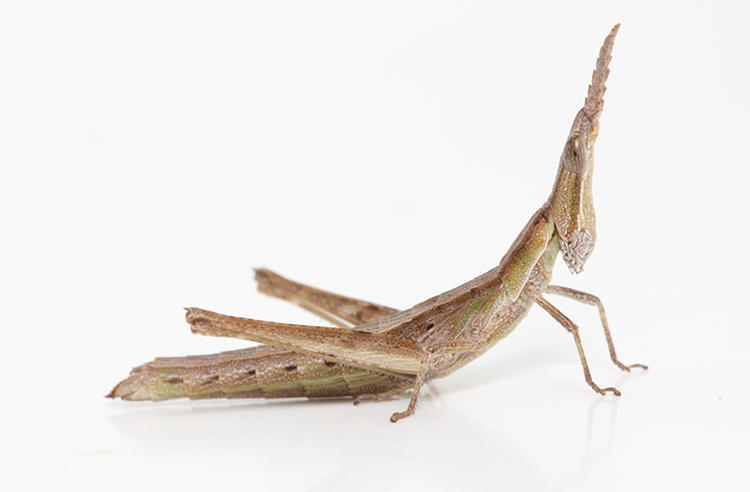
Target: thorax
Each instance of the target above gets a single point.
(488, 320)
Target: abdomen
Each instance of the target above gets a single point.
(257, 372)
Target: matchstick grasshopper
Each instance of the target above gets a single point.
(376, 352)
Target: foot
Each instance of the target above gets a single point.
(627, 368)
(400, 415)
(604, 391)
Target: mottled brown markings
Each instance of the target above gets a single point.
(565, 222)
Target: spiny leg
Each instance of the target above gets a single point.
(593, 300)
(573, 329)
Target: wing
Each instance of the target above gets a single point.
(375, 351)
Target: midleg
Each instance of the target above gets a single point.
(432, 358)
(593, 300)
(573, 329)
(413, 402)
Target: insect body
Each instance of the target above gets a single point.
(375, 351)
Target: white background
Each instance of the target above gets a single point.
(153, 152)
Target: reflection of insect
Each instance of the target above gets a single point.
(377, 352)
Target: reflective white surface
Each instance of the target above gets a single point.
(153, 153)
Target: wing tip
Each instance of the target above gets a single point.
(130, 388)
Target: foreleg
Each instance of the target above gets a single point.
(572, 328)
(593, 300)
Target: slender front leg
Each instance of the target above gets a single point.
(573, 329)
(593, 300)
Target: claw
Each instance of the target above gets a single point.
(627, 368)
(615, 391)
(400, 415)
(603, 391)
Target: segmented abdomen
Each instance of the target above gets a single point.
(257, 372)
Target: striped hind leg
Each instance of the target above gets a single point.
(342, 311)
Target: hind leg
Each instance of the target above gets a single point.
(342, 311)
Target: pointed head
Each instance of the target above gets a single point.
(571, 201)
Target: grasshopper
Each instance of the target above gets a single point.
(376, 352)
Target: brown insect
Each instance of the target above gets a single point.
(377, 352)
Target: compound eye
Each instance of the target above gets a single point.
(574, 155)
